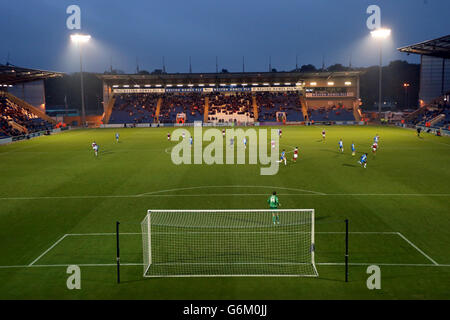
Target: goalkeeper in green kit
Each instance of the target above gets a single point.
(274, 204)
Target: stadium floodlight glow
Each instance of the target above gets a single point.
(201, 85)
(126, 86)
(254, 84)
(115, 86)
(223, 84)
(313, 83)
(330, 83)
(158, 85)
(381, 33)
(243, 84)
(80, 38)
(168, 85)
(298, 84)
(147, 85)
(348, 83)
(276, 84)
(211, 84)
(265, 84)
(179, 85)
(190, 85)
(287, 83)
(136, 86)
(233, 84)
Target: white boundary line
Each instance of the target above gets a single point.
(237, 195)
(415, 247)
(58, 241)
(434, 263)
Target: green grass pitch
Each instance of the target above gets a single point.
(59, 205)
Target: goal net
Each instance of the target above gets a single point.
(202, 243)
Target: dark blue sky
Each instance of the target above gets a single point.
(34, 33)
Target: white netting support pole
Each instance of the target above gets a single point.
(149, 240)
(313, 243)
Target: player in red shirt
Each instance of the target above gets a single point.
(323, 134)
(168, 136)
(295, 154)
(374, 147)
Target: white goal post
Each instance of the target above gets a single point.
(226, 243)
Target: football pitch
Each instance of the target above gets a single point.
(59, 205)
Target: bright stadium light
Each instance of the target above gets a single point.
(287, 83)
(243, 84)
(168, 85)
(265, 84)
(211, 84)
(179, 85)
(330, 83)
(298, 84)
(158, 85)
(313, 83)
(380, 34)
(79, 39)
(276, 84)
(348, 83)
(254, 84)
(201, 85)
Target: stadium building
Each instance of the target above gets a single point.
(22, 103)
(435, 67)
(434, 94)
(225, 98)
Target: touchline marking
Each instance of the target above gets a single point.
(415, 247)
(58, 241)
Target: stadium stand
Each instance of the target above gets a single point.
(231, 107)
(333, 113)
(134, 108)
(191, 104)
(271, 103)
(16, 120)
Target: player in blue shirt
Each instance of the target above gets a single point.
(341, 145)
(190, 140)
(363, 160)
(376, 138)
(117, 137)
(283, 157)
(231, 142)
(245, 143)
(353, 149)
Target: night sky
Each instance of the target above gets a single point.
(34, 33)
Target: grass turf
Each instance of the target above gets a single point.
(53, 185)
